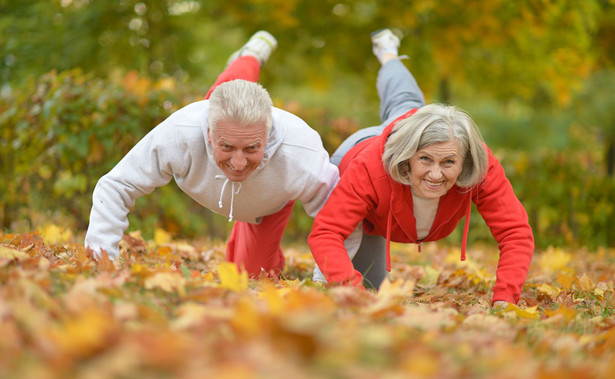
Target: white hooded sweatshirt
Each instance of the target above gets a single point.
(295, 166)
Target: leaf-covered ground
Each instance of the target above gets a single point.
(176, 309)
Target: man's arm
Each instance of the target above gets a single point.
(150, 164)
(323, 178)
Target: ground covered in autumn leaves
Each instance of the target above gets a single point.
(176, 309)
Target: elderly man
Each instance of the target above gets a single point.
(233, 153)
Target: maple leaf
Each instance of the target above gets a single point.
(189, 315)
(231, 278)
(161, 236)
(430, 278)
(168, 282)
(554, 260)
(82, 335)
(548, 290)
(53, 234)
(529, 313)
(7, 254)
(389, 297)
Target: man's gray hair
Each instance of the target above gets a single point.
(241, 102)
(432, 124)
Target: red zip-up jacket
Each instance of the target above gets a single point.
(367, 193)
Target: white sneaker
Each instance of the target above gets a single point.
(384, 41)
(260, 45)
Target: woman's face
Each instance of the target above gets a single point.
(434, 169)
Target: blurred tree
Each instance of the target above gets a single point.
(154, 37)
(535, 50)
(595, 106)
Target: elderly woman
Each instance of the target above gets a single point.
(412, 180)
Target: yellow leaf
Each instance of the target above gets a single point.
(585, 283)
(603, 287)
(230, 278)
(390, 296)
(398, 288)
(189, 315)
(554, 260)
(567, 313)
(531, 313)
(274, 298)
(208, 277)
(430, 278)
(53, 234)
(565, 280)
(161, 236)
(549, 290)
(84, 335)
(246, 318)
(7, 252)
(167, 281)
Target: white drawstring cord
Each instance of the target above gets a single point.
(233, 193)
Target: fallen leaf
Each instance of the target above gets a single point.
(168, 282)
(231, 278)
(9, 253)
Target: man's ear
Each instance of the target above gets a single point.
(209, 137)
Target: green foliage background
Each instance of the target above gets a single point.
(84, 80)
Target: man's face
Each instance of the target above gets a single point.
(238, 150)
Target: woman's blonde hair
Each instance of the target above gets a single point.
(436, 123)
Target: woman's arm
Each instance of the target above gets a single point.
(346, 207)
(508, 222)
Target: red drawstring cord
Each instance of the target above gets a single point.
(466, 228)
(389, 223)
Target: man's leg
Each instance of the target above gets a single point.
(246, 67)
(256, 247)
(246, 62)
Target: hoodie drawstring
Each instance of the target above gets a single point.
(466, 228)
(389, 223)
(233, 193)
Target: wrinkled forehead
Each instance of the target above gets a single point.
(447, 148)
(238, 134)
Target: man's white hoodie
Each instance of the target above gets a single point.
(295, 166)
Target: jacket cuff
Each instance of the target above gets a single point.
(505, 296)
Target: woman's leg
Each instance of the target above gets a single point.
(355, 138)
(370, 260)
(397, 88)
(398, 91)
